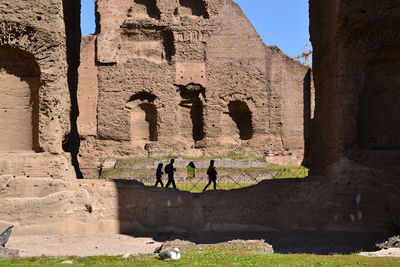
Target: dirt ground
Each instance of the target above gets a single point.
(74, 245)
(321, 243)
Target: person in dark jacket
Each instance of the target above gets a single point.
(212, 176)
(170, 171)
(159, 174)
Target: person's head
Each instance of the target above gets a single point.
(212, 162)
(160, 165)
(172, 161)
(191, 164)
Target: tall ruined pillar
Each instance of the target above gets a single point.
(35, 98)
(356, 66)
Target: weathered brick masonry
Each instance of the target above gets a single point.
(185, 77)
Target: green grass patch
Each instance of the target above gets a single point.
(215, 256)
(231, 155)
(281, 172)
(198, 188)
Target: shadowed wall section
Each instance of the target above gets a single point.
(193, 8)
(379, 117)
(356, 113)
(192, 112)
(71, 142)
(104, 207)
(242, 116)
(144, 8)
(196, 114)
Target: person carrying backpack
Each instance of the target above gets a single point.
(170, 171)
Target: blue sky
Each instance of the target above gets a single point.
(283, 23)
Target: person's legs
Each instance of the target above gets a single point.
(170, 180)
(159, 182)
(209, 183)
(173, 183)
(215, 184)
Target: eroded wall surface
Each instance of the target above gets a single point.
(185, 77)
(341, 203)
(356, 46)
(34, 90)
(355, 62)
(88, 88)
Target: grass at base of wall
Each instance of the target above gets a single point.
(282, 171)
(198, 188)
(230, 155)
(213, 257)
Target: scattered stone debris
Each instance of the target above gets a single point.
(393, 242)
(389, 252)
(177, 243)
(127, 255)
(259, 246)
(67, 262)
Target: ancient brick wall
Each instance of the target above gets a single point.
(356, 104)
(326, 129)
(88, 88)
(189, 78)
(354, 131)
(48, 206)
(33, 63)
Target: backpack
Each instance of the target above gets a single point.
(167, 169)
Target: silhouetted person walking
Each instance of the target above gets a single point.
(159, 174)
(212, 176)
(170, 170)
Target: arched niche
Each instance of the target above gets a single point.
(193, 8)
(144, 9)
(49, 55)
(192, 111)
(143, 117)
(242, 116)
(19, 100)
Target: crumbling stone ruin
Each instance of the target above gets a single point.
(147, 60)
(185, 77)
(356, 119)
(393, 242)
(34, 94)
